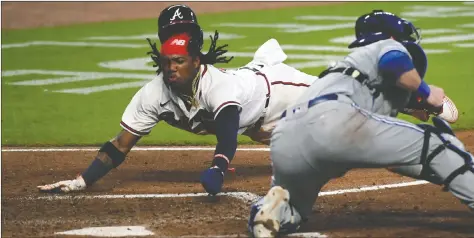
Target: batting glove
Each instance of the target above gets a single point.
(212, 180)
(64, 186)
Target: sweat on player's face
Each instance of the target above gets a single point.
(178, 69)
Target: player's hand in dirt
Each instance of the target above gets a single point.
(64, 186)
(212, 180)
(436, 97)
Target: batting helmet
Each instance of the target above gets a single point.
(179, 19)
(380, 25)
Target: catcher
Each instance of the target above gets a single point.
(345, 120)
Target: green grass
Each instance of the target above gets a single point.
(34, 115)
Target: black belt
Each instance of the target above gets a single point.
(349, 71)
(316, 100)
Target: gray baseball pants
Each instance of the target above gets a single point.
(311, 146)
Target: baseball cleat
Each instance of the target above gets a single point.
(266, 222)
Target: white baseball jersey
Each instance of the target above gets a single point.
(248, 88)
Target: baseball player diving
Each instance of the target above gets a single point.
(191, 94)
(345, 120)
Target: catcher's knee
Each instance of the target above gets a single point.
(449, 142)
(417, 171)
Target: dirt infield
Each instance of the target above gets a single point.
(422, 210)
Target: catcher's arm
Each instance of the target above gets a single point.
(429, 99)
(110, 155)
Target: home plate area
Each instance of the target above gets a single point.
(156, 193)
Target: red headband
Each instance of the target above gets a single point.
(176, 45)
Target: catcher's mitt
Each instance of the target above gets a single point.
(420, 109)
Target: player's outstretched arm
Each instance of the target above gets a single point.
(110, 155)
(227, 126)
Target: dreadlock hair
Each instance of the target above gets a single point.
(213, 56)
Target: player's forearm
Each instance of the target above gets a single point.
(103, 163)
(110, 156)
(227, 126)
(410, 80)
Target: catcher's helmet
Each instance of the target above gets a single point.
(178, 19)
(381, 25)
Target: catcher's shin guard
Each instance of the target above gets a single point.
(443, 131)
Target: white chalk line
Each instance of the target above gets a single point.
(373, 188)
(244, 196)
(308, 235)
(301, 234)
(133, 149)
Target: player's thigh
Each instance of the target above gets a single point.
(365, 139)
(292, 155)
(341, 132)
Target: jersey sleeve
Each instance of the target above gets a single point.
(142, 113)
(393, 60)
(395, 63)
(391, 45)
(222, 92)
